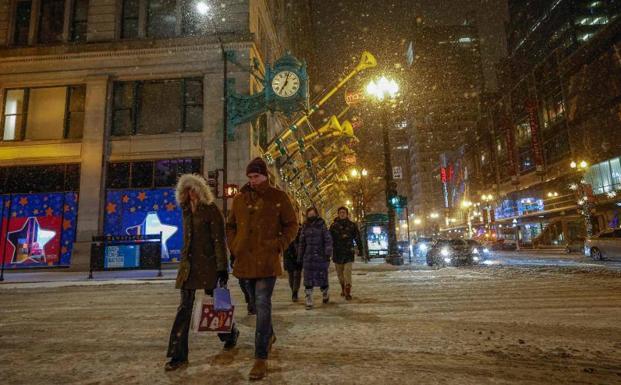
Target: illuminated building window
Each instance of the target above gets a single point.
(44, 113)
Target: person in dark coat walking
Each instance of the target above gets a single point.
(293, 267)
(203, 263)
(344, 234)
(314, 252)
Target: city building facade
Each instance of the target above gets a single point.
(106, 102)
(550, 141)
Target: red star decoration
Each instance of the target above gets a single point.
(125, 199)
(142, 196)
(7, 204)
(49, 212)
(110, 208)
(63, 250)
(23, 201)
(35, 212)
(170, 206)
(66, 224)
(66, 208)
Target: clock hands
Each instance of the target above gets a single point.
(285, 83)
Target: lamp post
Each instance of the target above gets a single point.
(467, 205)
(488, 198)
(584, 201)
(385, 90)
(359, 201)
(204, 9)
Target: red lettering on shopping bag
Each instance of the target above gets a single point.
(215, 321)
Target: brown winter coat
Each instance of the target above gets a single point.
(261, 225)
(197, 269)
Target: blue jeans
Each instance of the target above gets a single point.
(261, 289)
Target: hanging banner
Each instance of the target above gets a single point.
(533, 120)
(511, 149)
(353, 97)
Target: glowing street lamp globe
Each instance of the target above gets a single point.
(383, 88)
(202, 8)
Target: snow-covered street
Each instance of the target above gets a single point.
(485, 325)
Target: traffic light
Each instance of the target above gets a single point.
(397, 201)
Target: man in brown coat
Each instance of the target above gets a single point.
(203, 262)
(261, 225)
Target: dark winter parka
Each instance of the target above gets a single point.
(291, 255)
(314, 251)
(204, 244)
(344, 233)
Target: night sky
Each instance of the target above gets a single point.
(345, 28)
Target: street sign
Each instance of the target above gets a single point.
(397, 172)
(353, 97)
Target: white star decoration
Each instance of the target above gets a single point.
(42, 238)
(153, 226)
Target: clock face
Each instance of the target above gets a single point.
(286, 84)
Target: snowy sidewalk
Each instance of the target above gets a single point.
(483, 325)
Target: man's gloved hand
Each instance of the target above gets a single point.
(223, 277)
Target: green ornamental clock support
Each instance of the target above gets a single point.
(285, 89)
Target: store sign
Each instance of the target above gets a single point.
(353, 97)
(122, 257)
(397, 172)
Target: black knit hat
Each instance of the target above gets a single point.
(342, 208)
(257, 166)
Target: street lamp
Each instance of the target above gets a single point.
(466, 204)
(387, 89)
(581, 188)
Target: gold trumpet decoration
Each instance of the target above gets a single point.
(276, 147)
(332, 129)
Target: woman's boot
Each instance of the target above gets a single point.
(326, 295)
(309, 298)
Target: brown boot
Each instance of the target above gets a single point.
(348, 293)
(259, 370)
(342, 290)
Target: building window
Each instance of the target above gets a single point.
(46, 23)
(150, 174)
(23, 11)
(51, 21)
(39, 179)
(44, 113)
(79, 20)
(157, 107)
(161, 18)
(14, 114)
(129, 19)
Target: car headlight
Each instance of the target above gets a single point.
(422, 247)
(486, 250)
(447, 260)
(475, 251)
(445, 252)
(476, 259)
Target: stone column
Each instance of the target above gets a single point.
(92, 191)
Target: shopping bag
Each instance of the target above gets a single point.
(222, 299)
(206, 318)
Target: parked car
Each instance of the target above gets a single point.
(451, 252)
(479, 250)
(422, 245)
(606, 245)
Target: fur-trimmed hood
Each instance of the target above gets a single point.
(196, 183)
